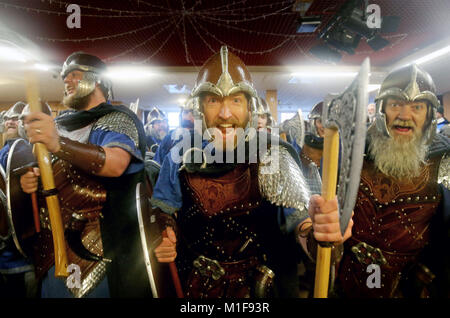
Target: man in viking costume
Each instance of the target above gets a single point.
(231, 223)
(312, 149)
(17, 278)
(400, 243)
(264, 117)
(186, 125)
(156, 128)
(11, 129)
(99, 151)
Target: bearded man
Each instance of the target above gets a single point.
(156, 128)
(101, 150)
(400, 243)
(17, 278)
(186, 125)
(228, 222)
(10, 130)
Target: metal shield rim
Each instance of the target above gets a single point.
(144, 243)
(2, 172)
(8, 199)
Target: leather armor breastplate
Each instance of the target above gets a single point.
(224, 219)
(393, 217)
(218, 212)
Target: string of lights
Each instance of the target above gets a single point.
(163, 44)
(195, 4)
(64, 13)
(89, 7)
(264, 16)
(243, 51)
(227, 6)
(202, 20)
(108, 37)
(242, 9)
(249, 31)
(140, 44)
(150, 4)
(201, 37)
(184, 35)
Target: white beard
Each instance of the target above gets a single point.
(401, 160)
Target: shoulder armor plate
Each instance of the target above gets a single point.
(281, 181)
(120, 123)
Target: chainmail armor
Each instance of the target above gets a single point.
(281, 182)
(119, 123)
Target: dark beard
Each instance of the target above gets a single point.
(77, 103)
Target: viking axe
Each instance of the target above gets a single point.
(344, 120)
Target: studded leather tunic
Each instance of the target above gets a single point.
(85, 196)
(391, 227)
(223, 222)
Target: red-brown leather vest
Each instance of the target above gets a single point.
(393, 216)
(224, 219)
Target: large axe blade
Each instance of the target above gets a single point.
(343, 115)
(348, 114)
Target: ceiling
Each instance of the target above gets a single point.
(174, 38)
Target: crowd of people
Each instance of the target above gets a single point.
(232, 229)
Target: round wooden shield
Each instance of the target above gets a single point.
(151, 236)
(19, 206)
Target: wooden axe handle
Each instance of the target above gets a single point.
(48, 182)
(329, 179)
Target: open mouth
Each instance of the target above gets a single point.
(403, 129)
(226, 129)
(69, 91)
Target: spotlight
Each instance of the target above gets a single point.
(346, 29)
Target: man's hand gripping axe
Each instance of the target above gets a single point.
(343, 116)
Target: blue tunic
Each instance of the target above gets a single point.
(167, 194)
